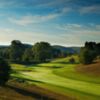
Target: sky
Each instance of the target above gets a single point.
(59, 22)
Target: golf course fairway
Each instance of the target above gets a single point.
(48, 76)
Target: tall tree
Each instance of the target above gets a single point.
(16, 50)
(4, 71)
(87, 56)
(42, 51)
(28, 55)
(89, 52)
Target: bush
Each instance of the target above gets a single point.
(87, 56)
(72, 60)
(4, 71)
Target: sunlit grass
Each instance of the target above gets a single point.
(60, 76)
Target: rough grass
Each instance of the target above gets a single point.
(8, 93)
(22, 91)
(71, 73)
(92, 69)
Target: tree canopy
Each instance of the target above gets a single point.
(16, 50)
(89, 52)
(42, 51)
(4, 71)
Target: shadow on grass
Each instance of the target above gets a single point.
(33, 65)
(23, 80)
(66, 62)
(55, 67)
(30, 93)
(81, 93)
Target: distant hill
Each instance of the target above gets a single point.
(4, 46)
(27, 45)
(68, 49)
(62, 48)
(77, 49)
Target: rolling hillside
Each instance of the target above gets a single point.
(92, 69)
(68, 49)
(61, 77)
(23, 91)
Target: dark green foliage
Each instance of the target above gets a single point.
(90, 45)
(16, 50)
(72, 60)
(89, 52)
(42, 51)
(87, 56)
(4, 52)
(22, 53)
(66, 51)
(4, 71)
(98, 49)
(28, 55)
(56, 53)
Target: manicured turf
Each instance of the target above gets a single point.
(70, 72)
(61, 77)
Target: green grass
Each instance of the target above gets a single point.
(71, 73)
(61, 77)
(78, 95)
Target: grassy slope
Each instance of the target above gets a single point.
(24, 91)
(92, 69)
(69, 72)
(8, 93)
(59, 76)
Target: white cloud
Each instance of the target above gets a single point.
(53, 3)
(70, 27)
(78, 34)
(79, 27)
(68, 37)
(29, 19)
(90, 9)
(32, 37)
(5, 4)
(10, 4)
(7, 35)
(32, 3)
(80, 37)
(98, 27)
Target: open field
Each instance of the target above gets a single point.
(60, 77)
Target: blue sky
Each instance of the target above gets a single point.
(60, 22)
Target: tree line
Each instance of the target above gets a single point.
(89, 52)
(37, 53)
